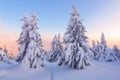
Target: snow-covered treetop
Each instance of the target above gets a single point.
(34, 18)
(33, 15)
(34, 21)
(93, 43)
(26, 21)
(103, 41)
(76, 29)
(25, 15)
(5, 49)
(115, 47)
(75, 12)
(102, 38)
(25, 18)
(54, 40)
(59, 37)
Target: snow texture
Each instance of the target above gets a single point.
(98, 71)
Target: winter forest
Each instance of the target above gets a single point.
(70, 57)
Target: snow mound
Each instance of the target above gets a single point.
(3, 56)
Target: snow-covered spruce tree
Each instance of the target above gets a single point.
(103, 41)
(94, 49)
(56, 49)
(34, 56)
(116, 51)
(77, 49)
(110, 55)
(52, 52)
(23, 40)
(113, 54)
(31, 48)
(102, 47)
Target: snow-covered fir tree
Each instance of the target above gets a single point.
(110, 55)
(30, 44)
(52, 52)
(97, 49)
(103, 41)
(102, 52)
(101, 47)
(77, 49)
(94, 49)
(113, 54)
(116, 51)
(56, 49)
(35, 52)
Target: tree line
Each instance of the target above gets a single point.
(76, 52)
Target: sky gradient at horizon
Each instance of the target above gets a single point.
(53, 16)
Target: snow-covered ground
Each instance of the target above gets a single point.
(98, 71)
(21, 72)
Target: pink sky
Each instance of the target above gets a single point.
(11, 44)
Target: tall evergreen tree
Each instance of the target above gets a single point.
(35, 52)
(77, 49)
(30, 50)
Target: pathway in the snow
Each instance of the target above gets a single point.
(51, 71)
(51, 77)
